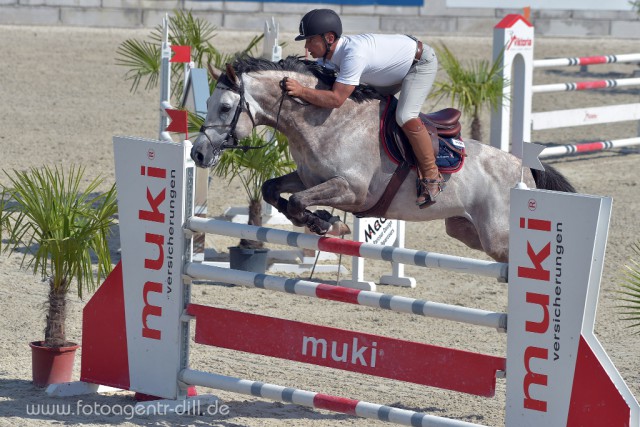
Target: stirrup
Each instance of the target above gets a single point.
(424, 191)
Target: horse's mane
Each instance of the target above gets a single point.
(247, 64)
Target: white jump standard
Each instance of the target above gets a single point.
(136, 327)
(513, 121)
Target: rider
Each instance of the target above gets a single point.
(390, 63)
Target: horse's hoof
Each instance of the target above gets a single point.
(316, 230)
(339, 228)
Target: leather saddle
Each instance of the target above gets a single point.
(444, 123)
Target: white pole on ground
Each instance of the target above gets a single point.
(309, 399)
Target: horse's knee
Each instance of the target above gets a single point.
(270, 191)
(295, 206)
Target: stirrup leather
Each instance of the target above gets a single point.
(423, 187)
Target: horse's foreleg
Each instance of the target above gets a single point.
(273, 188)
(335, 192)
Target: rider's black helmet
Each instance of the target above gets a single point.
(319, 21)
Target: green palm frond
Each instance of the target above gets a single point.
(143, 60)
(185, 29)
(59, 227)
(630, 293)
(469, 86)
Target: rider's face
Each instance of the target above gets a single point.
(316, 47)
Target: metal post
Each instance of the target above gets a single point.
(165, 80)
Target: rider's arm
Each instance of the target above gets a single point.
(333, 98)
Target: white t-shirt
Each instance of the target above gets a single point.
(375, 59)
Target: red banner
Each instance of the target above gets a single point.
(376, 355)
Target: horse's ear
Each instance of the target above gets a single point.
(215, 73)
(231, 73)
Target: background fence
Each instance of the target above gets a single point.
(434, 17)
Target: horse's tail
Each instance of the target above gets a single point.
(551, 179)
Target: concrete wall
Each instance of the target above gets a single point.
(432, 18)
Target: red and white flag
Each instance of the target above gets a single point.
(182, 54)
(179, 122)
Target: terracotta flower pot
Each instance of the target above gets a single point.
(51, 365)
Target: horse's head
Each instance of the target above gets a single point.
(228, 120)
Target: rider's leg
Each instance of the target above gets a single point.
(430, 181)
(415, 88)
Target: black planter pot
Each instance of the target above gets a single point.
(245, 259)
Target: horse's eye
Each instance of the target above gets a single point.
(225, 108)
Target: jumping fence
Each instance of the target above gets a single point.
(136, 328)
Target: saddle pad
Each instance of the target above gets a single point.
(448, 160)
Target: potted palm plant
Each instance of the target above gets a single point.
(63, 231)
(470, 86)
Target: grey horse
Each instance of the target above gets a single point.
(341, 163)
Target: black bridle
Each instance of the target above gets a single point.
(224, 83)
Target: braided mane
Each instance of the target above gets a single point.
(248, 64)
